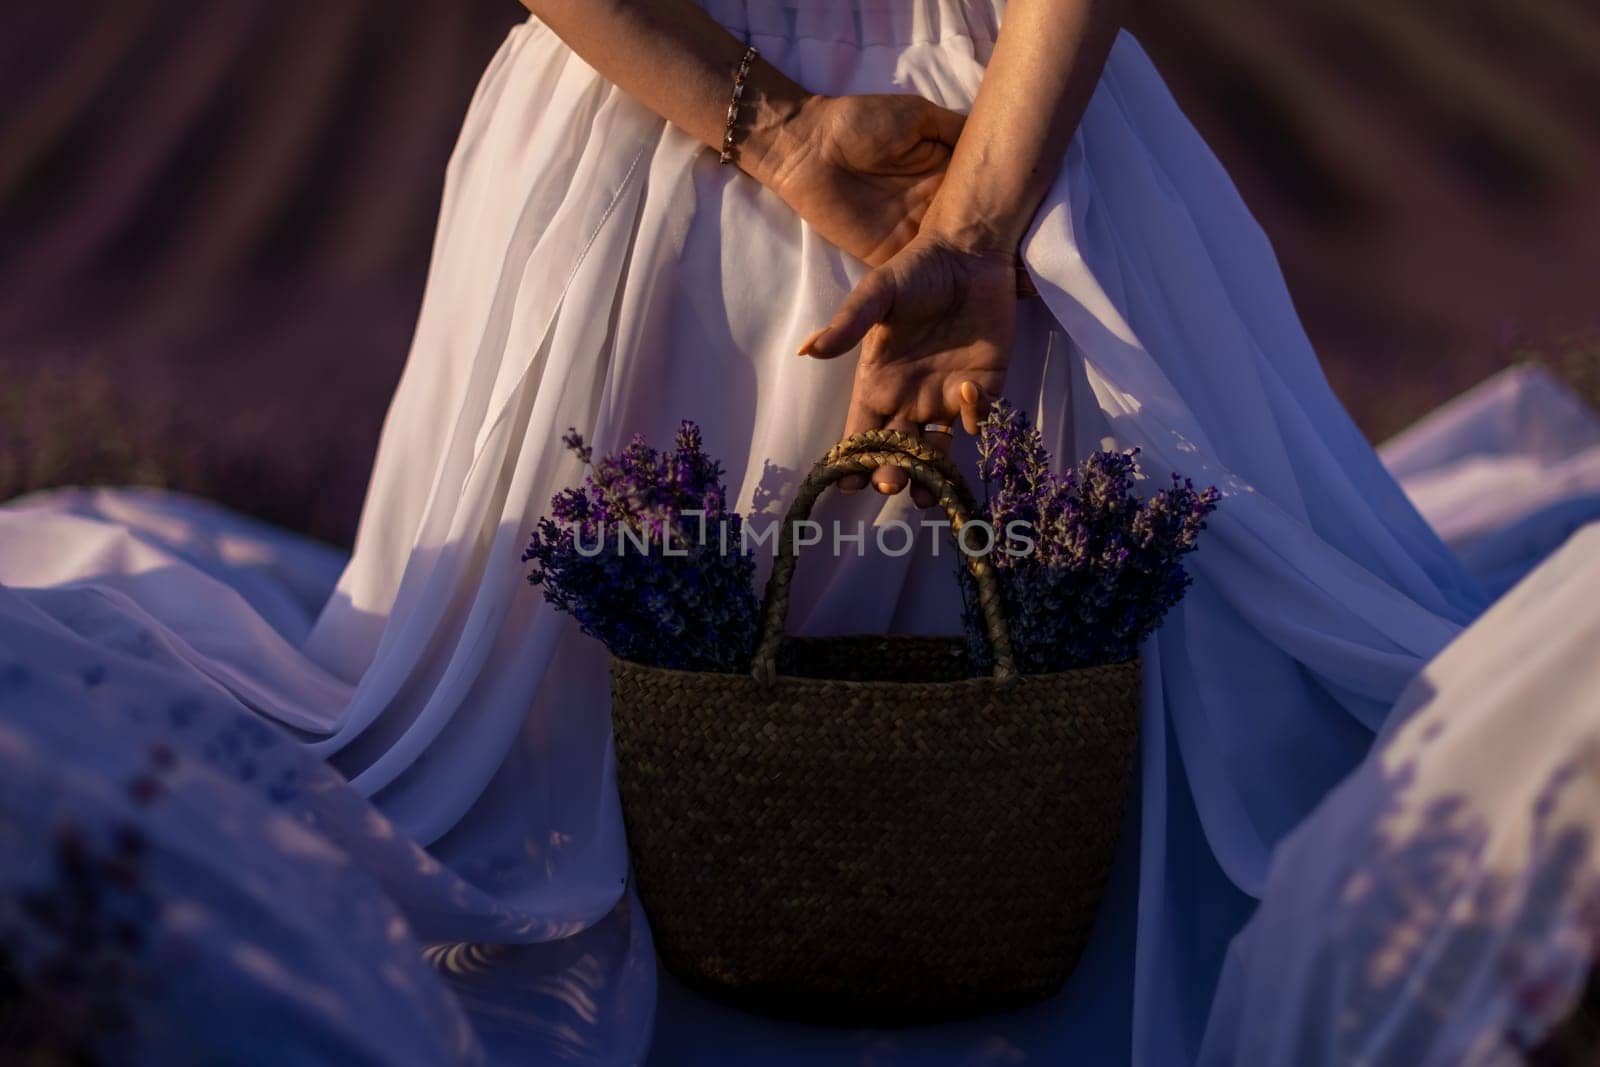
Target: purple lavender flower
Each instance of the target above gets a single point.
(609, 554)
(1105, 567)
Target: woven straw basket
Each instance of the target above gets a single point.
(859, 831)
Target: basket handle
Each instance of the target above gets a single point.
(864, 453)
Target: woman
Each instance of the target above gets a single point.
(595, 266)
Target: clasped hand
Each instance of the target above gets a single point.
(935, 317)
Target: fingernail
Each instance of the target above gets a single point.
(969, 392)
(886, 488)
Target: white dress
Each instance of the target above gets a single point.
(597, 268)
(1442, 907)
(1505, 472)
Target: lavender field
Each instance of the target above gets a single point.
(215, 220)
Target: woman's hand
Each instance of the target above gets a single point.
(935, 324)
(938, 318)
(862, 170)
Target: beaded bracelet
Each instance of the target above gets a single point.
(733, 105)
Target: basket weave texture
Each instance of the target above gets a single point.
(859, 831)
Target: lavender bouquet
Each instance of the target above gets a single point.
(636, 555)
(1104, 567)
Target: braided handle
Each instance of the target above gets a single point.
(862, 454)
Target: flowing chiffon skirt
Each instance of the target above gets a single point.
(596, 268)
(1505, 472)
(1442, 906)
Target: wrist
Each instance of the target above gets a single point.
(775, 111)
(975, 232)
(982, 243)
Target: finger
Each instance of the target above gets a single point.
(888, 479)
(940, 442)
(942, 125)
(868, 304)
(975, 404)
(858, 419)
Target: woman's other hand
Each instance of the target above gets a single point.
(935, 325)
(861, 170)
